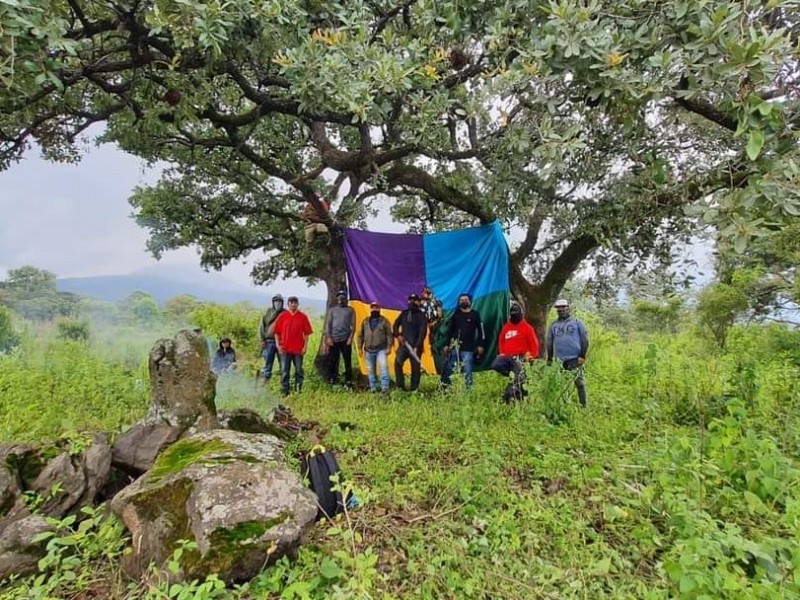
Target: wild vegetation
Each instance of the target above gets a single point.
(681, 479)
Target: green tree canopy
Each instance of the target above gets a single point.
(32, 293)
(590, 127)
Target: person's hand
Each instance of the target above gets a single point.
(280, 349)
(530, 358)
(479, 352)
(446, 350)
(305, 348)
(263, 344)
(401, 340)
(581, 360)
(328, 341)
(349, 340)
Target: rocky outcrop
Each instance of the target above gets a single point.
(19, 554)
(182, 385)
(227, 491)
(58, 480)
(136, 450)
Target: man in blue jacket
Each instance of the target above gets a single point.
(568, 341)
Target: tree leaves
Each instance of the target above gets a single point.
(755, 143)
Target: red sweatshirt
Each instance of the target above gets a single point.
(518, 339)
(291, 329)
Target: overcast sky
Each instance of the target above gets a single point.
(74, 220)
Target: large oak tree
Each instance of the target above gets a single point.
(590, 128)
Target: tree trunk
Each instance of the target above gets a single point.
(333, 271)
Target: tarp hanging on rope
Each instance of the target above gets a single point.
(387, 267)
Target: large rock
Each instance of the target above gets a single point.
(247, 420)
(136, 450)
(11, 503)
(229, 492)
(19, 555)
(182, 385)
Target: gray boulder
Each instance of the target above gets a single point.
(229, 492)
(19, 555)
(182, 385)
(136, 450)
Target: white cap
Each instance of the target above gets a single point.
(561, 302)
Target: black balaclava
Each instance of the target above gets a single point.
(515, 315)
(375, 313)
(464, 301)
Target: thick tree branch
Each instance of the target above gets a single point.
(417, 178)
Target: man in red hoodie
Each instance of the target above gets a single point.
(517, 342)
(292, 330)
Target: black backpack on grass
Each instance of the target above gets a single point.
(318, 468)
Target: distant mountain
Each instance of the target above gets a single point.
(210, 287)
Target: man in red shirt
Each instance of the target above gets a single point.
(517, 342)
(291, 339)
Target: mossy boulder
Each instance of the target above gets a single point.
(230, 493)
(182, 386)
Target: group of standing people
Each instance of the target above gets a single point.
(284, 333)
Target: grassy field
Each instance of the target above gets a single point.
(680, 480)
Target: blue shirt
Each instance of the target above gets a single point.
(567, 339)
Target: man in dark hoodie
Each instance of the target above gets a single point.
(266, 332)
(465, 329)
(410, 329)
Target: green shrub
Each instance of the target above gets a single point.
(74, 330)
(9, 339)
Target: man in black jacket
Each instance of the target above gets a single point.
(465, 330)
(410, 330)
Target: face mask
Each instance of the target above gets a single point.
(516, 318)
(375, 313)
(464, 304)
(563, 314)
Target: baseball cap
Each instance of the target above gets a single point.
(413, 296)
(374, 304)
(293, 299)
(341, 293)
(561, 302)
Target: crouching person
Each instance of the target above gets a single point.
(517, 343)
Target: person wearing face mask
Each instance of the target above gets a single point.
(465, 329)
(266, 331)
(516, 343)
(410, 329)
(375, 340)
(568, 341)
(339, 331)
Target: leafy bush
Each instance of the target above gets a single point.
(9, 339)
(74, 330)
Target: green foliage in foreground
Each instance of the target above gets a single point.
(681, 480)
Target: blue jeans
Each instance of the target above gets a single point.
(286, 364)
(269, 353)
(466, 358)
(378, 356)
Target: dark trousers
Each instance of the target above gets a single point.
(400, 358)
(286, 363)
(580, 385)
(344, 350)
(510, 364)
(270, 353)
